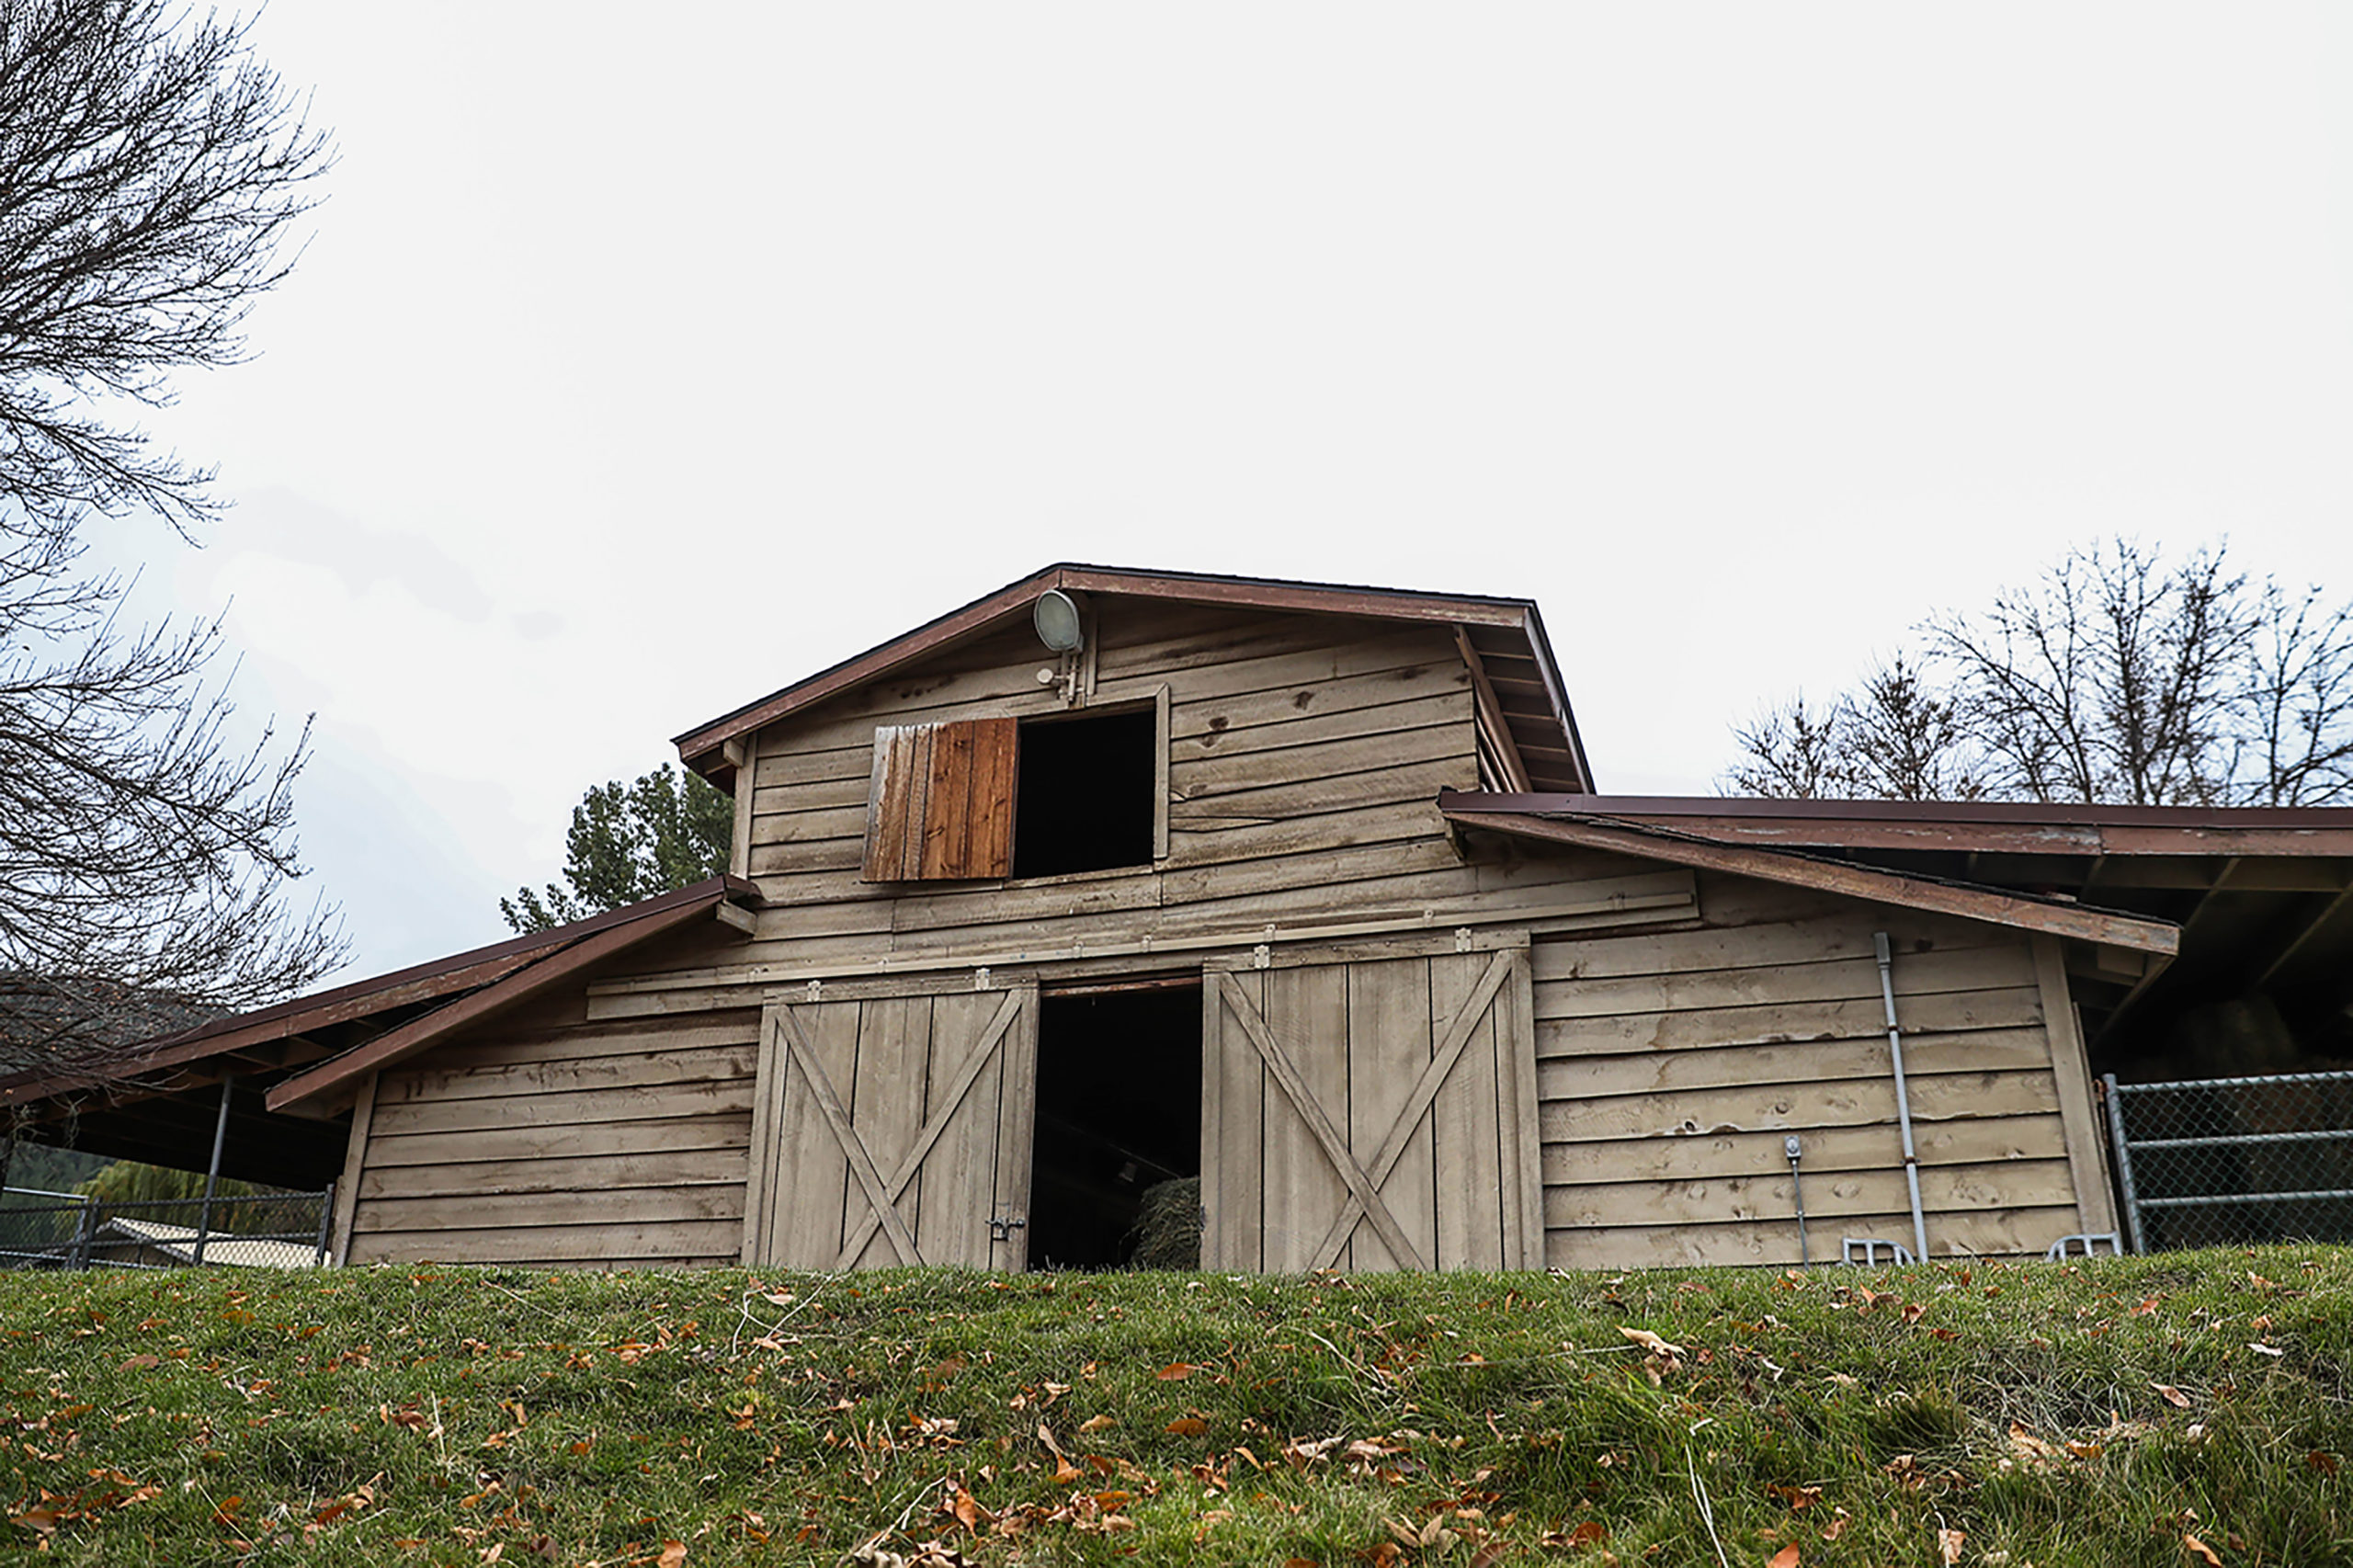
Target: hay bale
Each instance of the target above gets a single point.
(1167, 1233)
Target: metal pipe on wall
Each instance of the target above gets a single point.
(1797, 1197)
(1902, 1095)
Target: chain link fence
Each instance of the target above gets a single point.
(63, 1230)
(2234, 1160)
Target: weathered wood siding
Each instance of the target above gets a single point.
(1671, 1067)
(553, 1140)
(1305, 757)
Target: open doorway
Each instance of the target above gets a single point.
(1119, 1117)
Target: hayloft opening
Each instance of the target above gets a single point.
(1084, 801)
(1119, 1128)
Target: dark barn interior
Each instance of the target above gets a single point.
(1118, 1113)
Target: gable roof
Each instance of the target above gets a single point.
(1502, 640)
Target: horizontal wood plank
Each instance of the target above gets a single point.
(1830, 1195)
(609, 1208)
(2008, 1007)
(1995, 1233)
(1836, 980)
(576, 1109)
(651, 1135)
(1585, 1077)
(1793, 1108)
(558, 1172)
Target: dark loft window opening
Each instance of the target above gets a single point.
(1118, 1115)
(1084, 801)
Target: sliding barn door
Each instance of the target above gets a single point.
(894, 1129)
(1369, 1114)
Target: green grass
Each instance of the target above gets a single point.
(443, 1416)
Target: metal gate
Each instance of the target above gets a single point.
(2222, 1161)
(66, 1230)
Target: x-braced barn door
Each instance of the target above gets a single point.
(894, 1129)
(1369, 1114)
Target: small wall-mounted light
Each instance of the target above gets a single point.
(1057, 619)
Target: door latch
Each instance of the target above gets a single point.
(1001, 1226)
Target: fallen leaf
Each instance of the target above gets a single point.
(41, 1520)
(140, 1363)
(1187, 1426)
(1488, 1555)
(1097, 1422)
(1651, 1342)
(1175, 1372)
(674, 1555)
(2173, 1395)
(1785, 1558)
(2205, 1553)
(2323, 1463)
(1589, 1532)
(1834, 1528)
(1949, 1546)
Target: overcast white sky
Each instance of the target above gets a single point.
(642, 361)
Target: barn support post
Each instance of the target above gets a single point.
(212, 1172)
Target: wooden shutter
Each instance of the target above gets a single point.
(894, 1129)
(1370, 1115)
(939, 804)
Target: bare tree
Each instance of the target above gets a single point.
(150, 167)
(2117, 676)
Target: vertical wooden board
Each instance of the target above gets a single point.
(810, 1183)
(989, 812)
(894, 793)
(355, 1165)
(1307, 1012)
(1466, 1136)
(947, 810)
(2095, 1205)
(1389, 1045)
(1233, 1112)
(894, 1059)
(1524, 1157)
(759, 1183)
(739, 842)
(959, 1173)
(1016, 1135)
(1160, 745)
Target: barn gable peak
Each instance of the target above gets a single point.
(1502, 640)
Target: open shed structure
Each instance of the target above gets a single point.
(1116, 879)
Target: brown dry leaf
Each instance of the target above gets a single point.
(1785, 1558)
(2173, 1395)
(1187, 1426)
(1589, 1532)
(2205, 1553)
(1835, 1528)
(43, 1520)
(1301, 1562)
(1488, 1555)
(2029, 1445)
(140, 1363)
(674, 1555)
(1949, 1546)
(1651, 1342)
(2325, 1462)
(1175, 1372)
(1097, 1422)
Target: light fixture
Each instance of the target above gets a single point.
(1057, 619)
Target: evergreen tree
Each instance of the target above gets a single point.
(629, 843)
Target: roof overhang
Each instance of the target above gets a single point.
(306, 1056)
(1587, 830)
(1503, 639)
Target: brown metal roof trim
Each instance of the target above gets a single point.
(1991, 826)
(701, 748)
(479, 1006)
(441, 977)
(1997, 905)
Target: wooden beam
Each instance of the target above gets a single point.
(418, 1033)
(2071, 1068)
(2304, 937)
(1491, 720)
(1837, 876)
(355, 1165)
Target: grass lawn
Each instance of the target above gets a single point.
(2185, 1409)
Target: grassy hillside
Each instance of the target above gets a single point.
(2189, 1409)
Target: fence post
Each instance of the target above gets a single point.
(87, 1234)
(2123, 1162)
(212, 1172)
(327, 1220)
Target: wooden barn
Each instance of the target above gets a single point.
(1113, 879)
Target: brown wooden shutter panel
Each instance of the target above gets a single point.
(940, 806)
